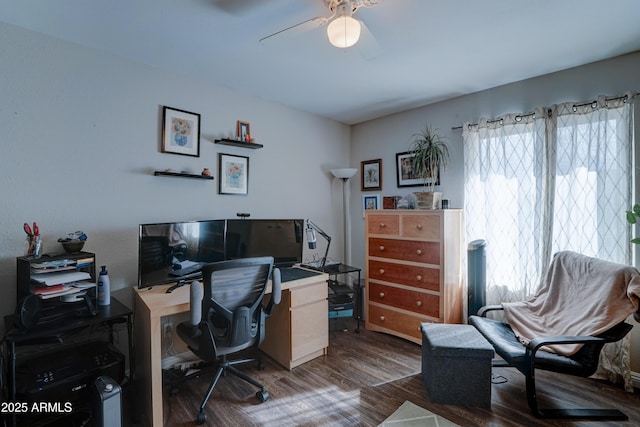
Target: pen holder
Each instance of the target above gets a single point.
(34, 246)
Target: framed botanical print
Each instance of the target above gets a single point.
(233, 174)
(180, 132)
(371, 175)
(405, 175)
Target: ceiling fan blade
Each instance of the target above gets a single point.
(307, 25)
(367, 46)
(235, 6)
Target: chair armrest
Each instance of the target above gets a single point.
(482, 312)
(536, 343)
(276, 291)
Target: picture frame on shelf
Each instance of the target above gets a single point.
(405, 175)
(180, 132)
(370, 202)
(233, 174)
(371, 175)
(243, 131)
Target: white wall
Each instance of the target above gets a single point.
(81, 134)
(385, 137)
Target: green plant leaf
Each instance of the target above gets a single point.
(636, 209)
(636, 241)
(631, 217)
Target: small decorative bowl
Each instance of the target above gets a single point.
(73, 246)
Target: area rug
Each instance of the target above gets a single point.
(409, 415)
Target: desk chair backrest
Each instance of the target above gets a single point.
(232, 306)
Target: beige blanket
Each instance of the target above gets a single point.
(580, 295)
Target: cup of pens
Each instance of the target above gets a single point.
(34, 240)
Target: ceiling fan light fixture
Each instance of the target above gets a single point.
(344, 31)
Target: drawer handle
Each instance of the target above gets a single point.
(381, 294)
(419, 303)
(419, 226)
(382, 271)
(419, 251)
(381, 248)
(382, 225)
(419, 278)
(382, 318)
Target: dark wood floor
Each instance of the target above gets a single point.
(366, 377)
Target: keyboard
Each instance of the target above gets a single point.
(186, 270)
(291, 273)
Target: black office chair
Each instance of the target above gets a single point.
(230, 318)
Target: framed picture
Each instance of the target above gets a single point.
(405, 175)
(371, 175)
(233, 173)
(180, 132)
(244, 131)
(370, 203)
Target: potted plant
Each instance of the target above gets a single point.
(430, 157)
(632, 218)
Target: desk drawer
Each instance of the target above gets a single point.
(402, 323)
(418, 302)
(308, 294)
(389, 225)
(421, 226)
(410, 275)
(405, 250)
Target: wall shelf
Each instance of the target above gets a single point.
(236, 143)
(182, 175)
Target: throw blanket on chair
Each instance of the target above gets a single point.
(580, 295)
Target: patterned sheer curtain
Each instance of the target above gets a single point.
(559, 178)
(505, 185)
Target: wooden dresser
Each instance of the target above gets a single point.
(414, 270)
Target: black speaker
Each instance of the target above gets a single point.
(27, 312)
(477, 266)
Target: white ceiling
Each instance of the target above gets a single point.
(427, 50)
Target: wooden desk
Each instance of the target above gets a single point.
(299, 326)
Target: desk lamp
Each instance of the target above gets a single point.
(344, 174)
(311, 239)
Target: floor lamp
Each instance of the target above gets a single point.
(344, 174)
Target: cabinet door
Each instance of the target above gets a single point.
(311, 331)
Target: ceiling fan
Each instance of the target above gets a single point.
(343, 30)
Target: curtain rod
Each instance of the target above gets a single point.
(575, 106)
(518, 118)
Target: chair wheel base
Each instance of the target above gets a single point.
(202, 418)
(262, 396)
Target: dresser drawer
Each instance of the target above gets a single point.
(405, 250)
(388, 225)
(418, 302)
(398, 322)
(421, 226)
(409, 275)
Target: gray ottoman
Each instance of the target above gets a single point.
(456, 364)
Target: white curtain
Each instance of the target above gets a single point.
(559, 178)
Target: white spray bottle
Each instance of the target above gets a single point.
(104, 293)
